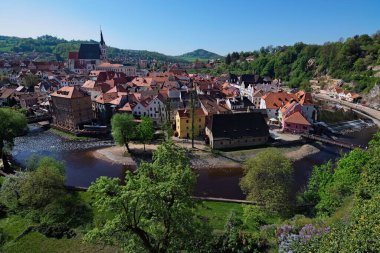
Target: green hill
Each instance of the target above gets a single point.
(200, 54)
(51, 48)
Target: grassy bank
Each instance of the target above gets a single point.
(217, 214)
(68, 136)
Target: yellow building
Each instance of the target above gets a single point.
(183, 122)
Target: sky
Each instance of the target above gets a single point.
(175, 27)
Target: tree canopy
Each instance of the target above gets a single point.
(145, 130)
(268, 180)
(123, 128)
(153, 211)
(12, 124)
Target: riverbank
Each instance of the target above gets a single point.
(201, 157)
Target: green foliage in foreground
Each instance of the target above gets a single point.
(40, 195)
(154, 210)
(268, 180)
(357, 173)
(12, 124)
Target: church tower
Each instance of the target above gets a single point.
(103, 47)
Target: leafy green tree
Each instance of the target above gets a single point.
(12, 124)
(145, 130)
(328, 187)
(268, 180)
(40, 193)
(123, 129)
(30, 81)
(153, 211)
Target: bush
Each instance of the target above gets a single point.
(254, 216)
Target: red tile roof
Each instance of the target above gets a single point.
(297, 118)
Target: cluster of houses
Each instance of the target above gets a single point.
(227, 110)
(342, 94)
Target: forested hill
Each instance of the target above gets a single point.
(351, 60)
(52, 48)
(200, 54)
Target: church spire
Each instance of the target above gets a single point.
(101, 38)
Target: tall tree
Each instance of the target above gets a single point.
(145, 130)
(153, 211)
(12, 124)
(123, 129)
(228, 59)
(268, 180)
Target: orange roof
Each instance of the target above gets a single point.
(68, 92)
(275, 100)
(185, 113)
(142, 81)
(297, 118)
(304, 98)
(288, 106)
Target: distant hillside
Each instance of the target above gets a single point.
(51, 48)
(200, 54)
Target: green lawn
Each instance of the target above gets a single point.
(218, 212)
(38, 243)
(68, 136)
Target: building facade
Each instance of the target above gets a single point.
(71, 107)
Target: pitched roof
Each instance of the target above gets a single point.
(69, 92)
(237, 125)
(297, 118)
(304, 98)
(275, 100)
(185, 113)
(89, 51)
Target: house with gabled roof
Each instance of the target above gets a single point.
(237, 130)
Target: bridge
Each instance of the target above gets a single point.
(331, 142)
(362, 110)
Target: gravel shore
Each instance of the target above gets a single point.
(200, 159)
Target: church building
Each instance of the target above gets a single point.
(88, 57)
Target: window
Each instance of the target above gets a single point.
(199, 120)
(187, 121)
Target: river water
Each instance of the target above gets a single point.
(82, 168)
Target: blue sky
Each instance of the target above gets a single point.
(177, 26)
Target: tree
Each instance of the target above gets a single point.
(145, 130)
(30, 81)
(40, 193)
(123, 129)
(12, 124)
(268, 180)
(153, 211)
(228, 59)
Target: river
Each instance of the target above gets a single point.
(82, 168)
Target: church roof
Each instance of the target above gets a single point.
(101, 38)
(89, 51)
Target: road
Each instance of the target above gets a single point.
(368, 112)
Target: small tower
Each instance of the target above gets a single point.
(103, 47)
